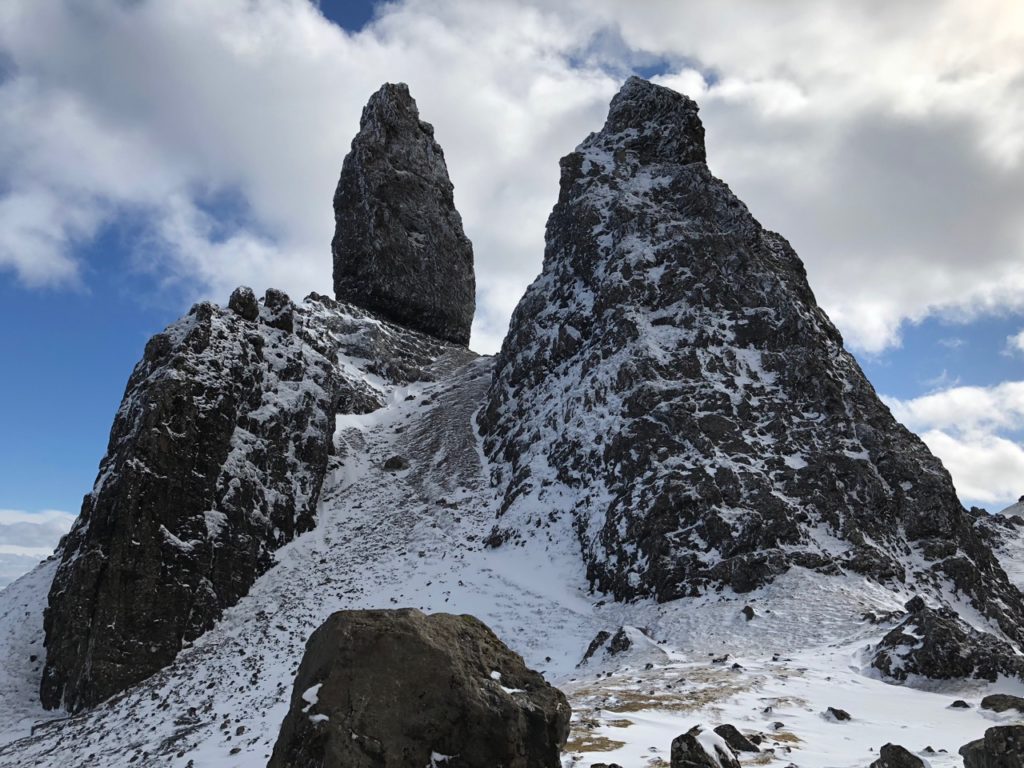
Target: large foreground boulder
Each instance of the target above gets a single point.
(398, 688)
(936, 643)
(399, 248)
(1002, 747)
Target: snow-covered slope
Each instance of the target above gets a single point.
(413, 537)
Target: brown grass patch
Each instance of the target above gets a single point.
(786, 737)
(590, 742)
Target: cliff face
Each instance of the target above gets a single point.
(670, 382)
(399, 249)
(216, 459)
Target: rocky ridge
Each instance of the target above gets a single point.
(216, 459)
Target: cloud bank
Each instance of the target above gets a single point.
(887, 145)
(28, 537)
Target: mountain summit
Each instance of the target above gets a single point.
(671, 384)
(399, 249)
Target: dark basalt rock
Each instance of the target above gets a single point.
(671, 372)
(394, 688)
(1000, 702)
(936, 643)
(688, 752)
(216, 459)
(1002, 747)
(895, 756)
(399, 249)
(737, 741)
(839, 715)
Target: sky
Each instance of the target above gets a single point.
(154, 154)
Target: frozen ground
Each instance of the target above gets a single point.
(414, 538)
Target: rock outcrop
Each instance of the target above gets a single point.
(1002, 747)
(895, 756)
(399, 248)
(700, 748)
(400, 688)
(936, 643)
(216, 459)
(670, 384)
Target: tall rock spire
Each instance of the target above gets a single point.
(670, 383)
(399, 249)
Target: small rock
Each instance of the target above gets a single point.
(960, 704)
(1000, 702)
(396, 464)
(895, 756)
(737, 741)
(837, 714)
(748, 611)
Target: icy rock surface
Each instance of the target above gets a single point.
(399, 248)
(670, 383)
(936, 643)
(397, 687)
(216, 458)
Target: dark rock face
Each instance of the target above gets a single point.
(895, 756)
(671, 374)
(399, 249)
(1002, 747)
(399, 688)
(689, 752)
(938, 644)
(216, 459)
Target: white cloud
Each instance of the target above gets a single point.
(28, 537)
(887, 145)
(972, 429)
(1015, 343)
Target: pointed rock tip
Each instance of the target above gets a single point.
(660, 123)
(391, 105)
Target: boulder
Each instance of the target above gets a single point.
(700, 748)
(1000, 702)
(1001, 747)
(399, 248)
(737, 741)
(936, 643)
(895, 756)
(397, 688)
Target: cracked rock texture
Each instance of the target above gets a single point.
(670, 383)
(399, 248)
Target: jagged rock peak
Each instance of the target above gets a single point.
(399, 248)
(656, 122)
(670, 385)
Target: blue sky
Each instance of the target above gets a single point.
(157, 154)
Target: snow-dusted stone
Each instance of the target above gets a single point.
(737, 741)
(216, 459)
(399, 688)
(1002, 747)
(399, 248)
(700, 748)
(1000, 702)
(936, 643)
(895, 756)
(670, 384)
